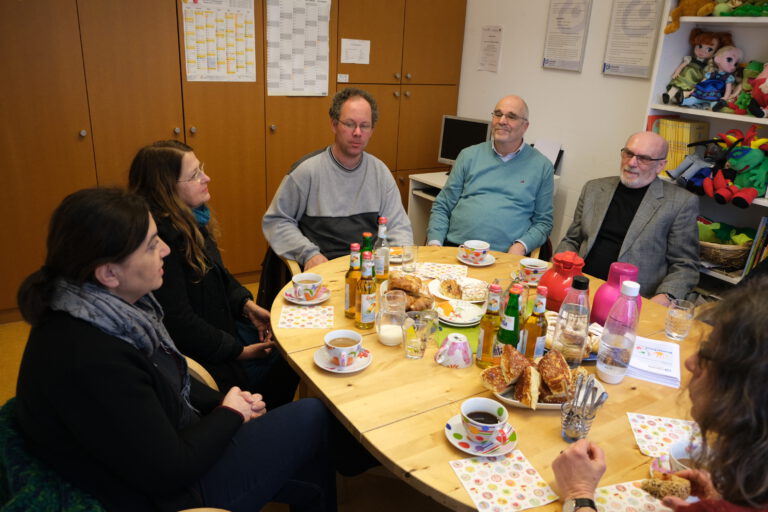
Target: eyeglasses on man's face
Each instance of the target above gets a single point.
(351, 125)
(197, 176)
(643, 160)
(511, 116)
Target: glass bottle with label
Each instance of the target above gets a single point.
(571, 330)
(350, 280)
(488, 351)
(509, 331)
(367, 242)
(534, 333)
(381, 252)
(365, 302)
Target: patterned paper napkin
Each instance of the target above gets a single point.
(504, 483)
(654, 434)
(433, 270)
(626, 497)
(306, 317)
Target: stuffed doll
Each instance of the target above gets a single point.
(758, 105)
(687, 8)
(751, 172)
(718, 84)
(691, 69)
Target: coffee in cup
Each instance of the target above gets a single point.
(343, 346)
(307, 286)
(474, 251)
(484, 420)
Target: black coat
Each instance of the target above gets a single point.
(98, 412)
(200, 314)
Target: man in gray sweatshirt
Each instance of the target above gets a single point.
(331, 196)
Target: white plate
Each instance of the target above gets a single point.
(322, 296)
(546, 407)
(489, 259)
(456, 435)
(362, 361)
(434, 287)
(464, 313)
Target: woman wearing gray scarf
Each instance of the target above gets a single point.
(104, 397)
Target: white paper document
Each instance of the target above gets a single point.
(655, 361)
(355, 51)
(490, 48)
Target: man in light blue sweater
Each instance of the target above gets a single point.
(499, 191)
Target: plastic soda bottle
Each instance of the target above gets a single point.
(572, 326)
(350, 280)
(618, 339)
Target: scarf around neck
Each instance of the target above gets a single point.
(140, 324)
(202, 214)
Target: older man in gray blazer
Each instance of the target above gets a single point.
(640, 219)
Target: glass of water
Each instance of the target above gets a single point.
(679, 319)
(410, 253)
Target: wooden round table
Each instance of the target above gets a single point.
(398, 407)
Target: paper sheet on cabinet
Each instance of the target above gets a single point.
(355, 51)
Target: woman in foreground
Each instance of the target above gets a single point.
(730, 405)
(104, 397)
(209, 314)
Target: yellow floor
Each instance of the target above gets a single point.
(373, 491)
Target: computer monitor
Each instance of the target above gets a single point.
(458, 133)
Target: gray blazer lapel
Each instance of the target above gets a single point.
(599, 206)
(653, 199)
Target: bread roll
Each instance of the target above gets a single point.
(665, 484)
(555, 373)
(493, 379)
(527, 387)
(513, 363)
(407, 283)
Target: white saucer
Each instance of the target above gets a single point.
(489, 259)
(323, 296)
(362, 361)
(456, 435)
(464, 313)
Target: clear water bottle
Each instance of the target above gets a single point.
(573, 322)
(618, 339)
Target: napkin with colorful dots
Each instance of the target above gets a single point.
(503, 484)
(655, 434)
(434, 270)
(306, 317)
(626, 497)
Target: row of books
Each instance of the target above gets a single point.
(759, 249)
(679, 133)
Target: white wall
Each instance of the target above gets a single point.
(591, 114)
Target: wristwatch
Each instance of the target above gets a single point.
(571, 504)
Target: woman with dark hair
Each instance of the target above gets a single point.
(104, 397)
(209, 314)
(728, 402)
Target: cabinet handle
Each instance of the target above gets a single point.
(83, 133)
(397, 75)
(193, 130)
(407, 94)
(177, 130)
(273, 128)
(397, 94)
(408, 76)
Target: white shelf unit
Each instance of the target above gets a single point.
(749, 34)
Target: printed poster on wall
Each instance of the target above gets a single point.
(297, 47)
(632, 37)
(566, 38)
(219, 40)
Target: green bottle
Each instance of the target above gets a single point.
(367, 243)
(509, 331)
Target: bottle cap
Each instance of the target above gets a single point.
(367, 234)
(382, 220)
(494, 288)
(354, 246)
(367, 255)
(517, 288)
(580, 283)
(630, 288)
(542, 290)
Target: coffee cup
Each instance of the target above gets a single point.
(533, 269)
(343, 346)
(484, 420)
(682, 453)
(474, 251)
(306, 286)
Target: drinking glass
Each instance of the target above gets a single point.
(575, 422)
(679, 319)
(418, 330)
(410, 253)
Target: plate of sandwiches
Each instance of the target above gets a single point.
(546, 384)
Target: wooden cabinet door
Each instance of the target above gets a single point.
(297, 125)
(225, 126)
(421, 113)
(44, 108)
(381, 23)
(383, 142)
(433, 41)
(131, 54)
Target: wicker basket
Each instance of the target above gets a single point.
(726, 256)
